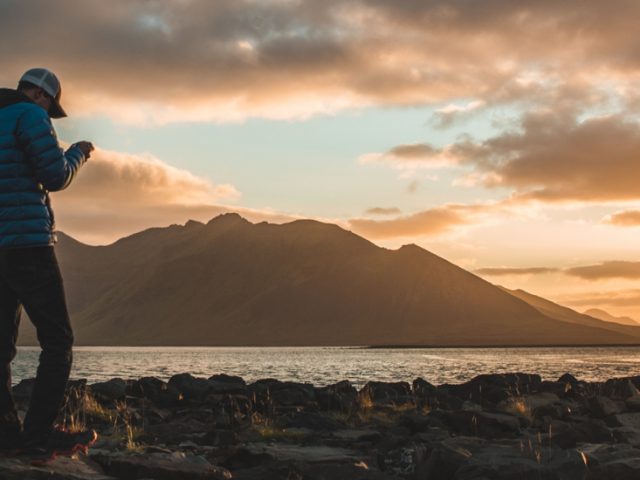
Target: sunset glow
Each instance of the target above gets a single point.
(503, 136)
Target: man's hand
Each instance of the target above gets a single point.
(86, 147)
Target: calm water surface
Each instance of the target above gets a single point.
(325, 365)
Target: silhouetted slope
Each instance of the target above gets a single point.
(231, 282)
(566, 314)
(607, 317)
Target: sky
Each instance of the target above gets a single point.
(501, 135)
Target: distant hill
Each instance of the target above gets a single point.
(231, 282)
(565, 314)
(602, 315)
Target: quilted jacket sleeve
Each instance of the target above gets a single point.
(54, 169)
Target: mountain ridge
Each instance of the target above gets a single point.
(233, 282)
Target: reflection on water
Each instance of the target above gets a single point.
(325, 365)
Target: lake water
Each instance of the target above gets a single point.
(325, 365)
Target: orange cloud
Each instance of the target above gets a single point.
(607, 270)
(504, 271)
(617, 298)
(552, 157)
(174, 61)
(383, 211)
(628, 218)
(116, 194)
(434, 221)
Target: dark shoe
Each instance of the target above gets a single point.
(61, 443)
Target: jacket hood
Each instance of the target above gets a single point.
(9, 96)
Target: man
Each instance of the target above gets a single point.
(32, 164)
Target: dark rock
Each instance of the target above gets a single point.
(311, 421)
(160, 466)
(488, 390)
(191, 388)
(341, 396)
(239, 406)
(222, 438)
(568, 378)
(223, 378)
(509, 461)
(620, 388)
(316, 471)
(145, 387)
(386, 394)
(176, 431)
(154, 389)
(243, 458)
(425, 393)
(477, 424)
(292, 393)
(227, 384)
(603, 407)
(446, 458)
(633, 403)
(416, 422)
(274, 393)
(612, 462)
(61, 468)
(472, 459)
(111, 390)
(568, 435)
(557, 388)
(624, 420)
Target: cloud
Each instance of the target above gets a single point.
(504, 271)
(116, 194)
(157, 62)
(551, 156)
(413, 156)
(433, 221)
(617, 298)
(627, 218)
(448, 115)
(606, 270)
(383, 211)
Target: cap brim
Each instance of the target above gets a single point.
(56, 110)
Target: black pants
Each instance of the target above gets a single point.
(30, 278)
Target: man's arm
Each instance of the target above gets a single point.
(53, 168)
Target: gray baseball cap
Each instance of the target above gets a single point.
(46, 79)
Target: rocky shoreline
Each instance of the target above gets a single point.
(493, 427)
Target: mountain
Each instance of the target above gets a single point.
(231, 282)
(565, 314)
(607, 317)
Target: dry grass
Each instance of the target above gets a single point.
(518, 406)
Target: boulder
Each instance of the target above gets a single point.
(161, 466)
(61, 468)
(491, 389)
(282, 394)
(607, 462)
(570, 434)
(154, 389)
(192, 389)
(631, 420)
(477, 424)
(463, 458)
(310, 420)
(386, 394)
(341, 396)
(109, 391)
(620, 388)
(603, 407)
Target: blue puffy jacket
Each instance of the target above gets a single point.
(31, 165)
